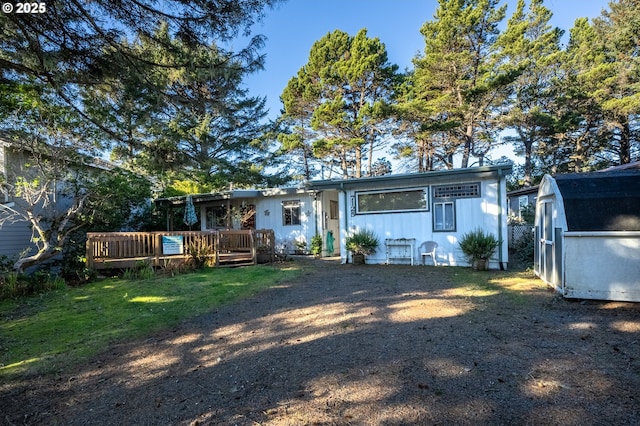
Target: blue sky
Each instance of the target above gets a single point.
(293, 27)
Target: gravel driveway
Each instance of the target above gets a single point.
(363, 345)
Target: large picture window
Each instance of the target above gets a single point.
(392, 201)
(291, 212)
(444, 216)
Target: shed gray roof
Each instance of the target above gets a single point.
(601, 201)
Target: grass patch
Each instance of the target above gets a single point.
(52, 331)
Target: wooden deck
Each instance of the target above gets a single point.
(114, 250)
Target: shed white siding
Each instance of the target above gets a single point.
(602, 265)
(582, 264)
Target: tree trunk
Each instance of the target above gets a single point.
(625, 142)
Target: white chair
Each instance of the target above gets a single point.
(428, 248)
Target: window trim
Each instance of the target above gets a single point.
(523, 202)
(453, 208)
(424, 190)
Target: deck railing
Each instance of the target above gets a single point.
(125, 249)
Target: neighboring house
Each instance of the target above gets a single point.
(520, 200)
(587, 234)
(16, 233)
(15, 236)
(437, 206)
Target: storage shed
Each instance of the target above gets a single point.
(587, 234)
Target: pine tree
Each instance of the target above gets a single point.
(457, 90)
(348, 82)
(530, 47)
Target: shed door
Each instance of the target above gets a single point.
(546, 260)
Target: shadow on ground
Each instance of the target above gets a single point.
(365, 345)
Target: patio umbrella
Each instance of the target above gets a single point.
(190, 217)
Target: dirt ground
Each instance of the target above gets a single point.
(362, 345)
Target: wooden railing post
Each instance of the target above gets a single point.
(254, 252)
(217, 249)
(157, 247)
(89, 249)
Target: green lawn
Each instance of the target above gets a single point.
(51, 331)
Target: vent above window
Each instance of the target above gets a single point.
(459, 190)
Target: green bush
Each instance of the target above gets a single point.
(362, 242)
(199, 251)
(13, 284)
(316, 245)
(523, 250)
(478, 246)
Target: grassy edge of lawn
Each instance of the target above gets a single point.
(53, 331)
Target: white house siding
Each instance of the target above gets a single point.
(269, 215)
(471, 213)
(617, 255)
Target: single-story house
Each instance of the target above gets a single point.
(403, 210)
(407, 210)
(587, 234)
(295, 214)
(519, 200)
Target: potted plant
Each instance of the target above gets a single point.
(362, 243)
(478, 247)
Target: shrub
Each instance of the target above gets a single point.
(316, 245)
(478, 247)
(199, 251)
(13, 284)
(523, 250)
(362, 242)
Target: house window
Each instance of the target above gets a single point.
(333, 209)
(458, 190)
(444, 216)
(523, 203)
(392, 201)
(291, 212)
(216, 217)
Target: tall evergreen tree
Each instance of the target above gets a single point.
(349, 81)
(531, 48)
(456, 87)
(619, 32)
(300, 98)
(581, 132)
(419, 143)
(151, 78)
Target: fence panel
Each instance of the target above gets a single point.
(518, 232)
